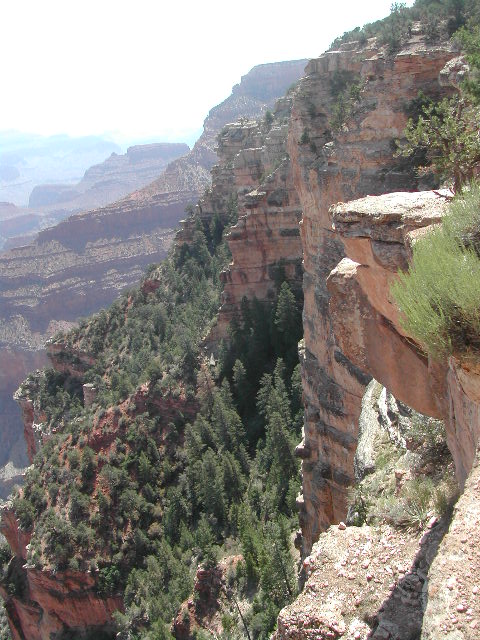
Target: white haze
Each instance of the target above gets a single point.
(149, 68)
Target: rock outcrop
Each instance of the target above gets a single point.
(363, 582)
(377, 233)
(45, 605)
(331, 165)
(453, 606)
(254, 181)
(372, 580)
(204, 609)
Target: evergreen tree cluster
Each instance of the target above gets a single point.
(159, 499)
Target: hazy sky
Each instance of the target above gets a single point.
(149, 68)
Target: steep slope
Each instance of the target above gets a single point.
(82, 264)
(111, 420)
(99, 383)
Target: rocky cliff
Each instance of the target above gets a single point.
(253, 182)
(394, 574)
(337, 164)
(433, 598)
(80, 265)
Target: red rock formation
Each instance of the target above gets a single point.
(336, 166)
(51, 603)
(463, 433)
(377, 233)
(15, 536)
(81, 265)
(254, 172)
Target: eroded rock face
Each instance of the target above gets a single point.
(211, 594)
(370, 580)
(329, 167)
(377, 233)
(82, 264)
(48, 604)
(15, 536)
(14, 364)
(463, 433)
(254, 173)
(52, 601)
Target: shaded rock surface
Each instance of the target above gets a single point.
(254, 179)
(377, 233)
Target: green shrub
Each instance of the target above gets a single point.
(345, 88)
(439, 296)
(448, 133)
(305, 137)
(396, 29)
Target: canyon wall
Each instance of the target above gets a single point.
(378, 233)
(81, 264)
(398, 582)
(253, 180)
(328, 167)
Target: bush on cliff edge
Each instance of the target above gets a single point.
(439, 296)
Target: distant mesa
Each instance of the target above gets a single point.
(114, 178)
(27, 160)
(8, 173)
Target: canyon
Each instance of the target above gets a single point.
(102, 184)
(28, 160)
(81, 265)
(338, 201)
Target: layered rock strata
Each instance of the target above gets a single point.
(253, 180)
(50, 603)
(81, 265)
(377, 233)
(337, 164)
(117, 176)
